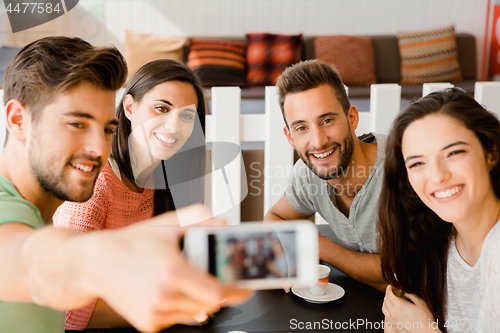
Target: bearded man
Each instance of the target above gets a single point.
(338, 175)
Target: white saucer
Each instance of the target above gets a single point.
(333, 292)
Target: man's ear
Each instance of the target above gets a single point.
(288, 136)
(353, 117)
(18, 119)
(128, 106)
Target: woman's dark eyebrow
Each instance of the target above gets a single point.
(165, 101)
(412, 157)
(455, 143)
(444, 148)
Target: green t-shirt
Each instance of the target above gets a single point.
(24, 317)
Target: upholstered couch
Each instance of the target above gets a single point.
(387, 66)
(387, 70)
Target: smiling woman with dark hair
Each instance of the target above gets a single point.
(159, 142)
(438, 210)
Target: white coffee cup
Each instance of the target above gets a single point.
(319, 288)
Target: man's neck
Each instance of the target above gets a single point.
(14, 167)
(352, 178)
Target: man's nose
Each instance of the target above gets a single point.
(319, 138)
(98, 145)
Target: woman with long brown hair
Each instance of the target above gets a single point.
(157, 163)
(438, 212)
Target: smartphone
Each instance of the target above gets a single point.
(256, 255)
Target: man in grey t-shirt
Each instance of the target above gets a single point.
(338, 175)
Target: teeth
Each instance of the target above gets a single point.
(82, 167)
(325, 154)
(164, 138)
(448, 193)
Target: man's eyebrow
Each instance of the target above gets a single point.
(328, 114)
(321, 116)
(444, 148)
(78, 114)
(296, 122)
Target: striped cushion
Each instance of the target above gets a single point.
(352, 57)
(218, 62)
(269, 55)
(429, 56)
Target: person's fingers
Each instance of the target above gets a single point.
(197, 285)
(199, 215)
(414, 298)
(392, 297)
(167, 319)
(286, 289)
(389, 295)
(233, 296)
(186, 216)
(201, 318)
(180, 303)
(205, 288)
(386, 309)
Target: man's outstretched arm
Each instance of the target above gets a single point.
(137, 270)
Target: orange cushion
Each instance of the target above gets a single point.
(268, 55)
(218, 62)
(352, 57)
(429, 56)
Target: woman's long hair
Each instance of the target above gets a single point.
(414, 240)
(188, 164)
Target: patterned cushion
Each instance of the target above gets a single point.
(429, 56)
(143, 48)
(218, 62)
(352, 57)
(269, 55)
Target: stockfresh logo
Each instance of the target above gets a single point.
(25, 15)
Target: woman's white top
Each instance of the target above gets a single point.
(473, 293)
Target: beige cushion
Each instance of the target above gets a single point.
(143, 48)
(429, 56)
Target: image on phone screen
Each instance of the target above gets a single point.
(259, 255)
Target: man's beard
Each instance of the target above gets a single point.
(55, 183)
(345, 154)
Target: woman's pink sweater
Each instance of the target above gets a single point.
(112, 206)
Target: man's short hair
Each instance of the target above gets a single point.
(54, 65)
(307, 75)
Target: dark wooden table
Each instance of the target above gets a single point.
(276, 311)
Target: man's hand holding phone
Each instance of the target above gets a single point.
(163, 288)
(256, 255)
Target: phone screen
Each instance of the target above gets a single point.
(257, 255)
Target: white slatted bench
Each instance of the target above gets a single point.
(226, 124)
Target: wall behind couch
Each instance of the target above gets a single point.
(105, 21)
